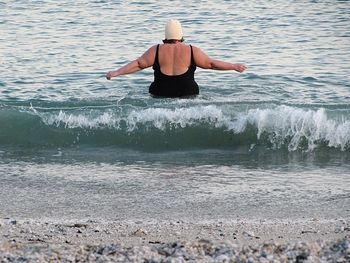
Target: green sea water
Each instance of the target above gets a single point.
(273, 141)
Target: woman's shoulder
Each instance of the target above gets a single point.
(195, 47)
(152, 49)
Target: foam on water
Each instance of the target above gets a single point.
(297, 125)
(159, 118)
(280, 126)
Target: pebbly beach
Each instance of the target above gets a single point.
(311, 240)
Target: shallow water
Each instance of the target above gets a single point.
(271, 142)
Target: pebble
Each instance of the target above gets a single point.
(97, 229)
(8, 221)
(222, 258)
(197, 251)
(248, 234)
(140, 233)
(339, 229)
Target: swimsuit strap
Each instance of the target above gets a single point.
(156, 62)
(193, 63)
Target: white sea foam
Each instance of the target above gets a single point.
(281, 125)
(159, 118)
(295, 125)
(86, 120)
(177, 118)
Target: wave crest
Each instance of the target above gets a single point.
(296, 125)
(208, 126)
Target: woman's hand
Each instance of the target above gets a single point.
(240, 67)
(109, 75)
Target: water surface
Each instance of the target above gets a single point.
(271, 142)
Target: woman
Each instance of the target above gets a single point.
(174, 64)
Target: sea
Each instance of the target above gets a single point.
(272, 142)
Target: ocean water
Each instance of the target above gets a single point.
(272, 142)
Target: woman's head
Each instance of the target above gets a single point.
(173, 32)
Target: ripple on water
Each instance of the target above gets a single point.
(67, 39)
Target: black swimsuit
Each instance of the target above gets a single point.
(174, 86)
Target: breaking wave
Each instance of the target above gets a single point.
(208, 126)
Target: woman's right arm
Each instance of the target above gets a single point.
(145, 61)
(204, 61)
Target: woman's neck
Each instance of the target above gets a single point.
(172, 41)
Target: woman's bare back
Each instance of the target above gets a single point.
(174, 59)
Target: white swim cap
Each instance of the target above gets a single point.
(173, 30)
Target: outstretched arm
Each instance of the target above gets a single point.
(204, 61)
(145, 61)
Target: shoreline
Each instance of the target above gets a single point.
(136, 232)
(190, 240)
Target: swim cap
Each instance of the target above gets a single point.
(173, 30)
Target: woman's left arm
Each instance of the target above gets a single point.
(204, 61)
(145, 61)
